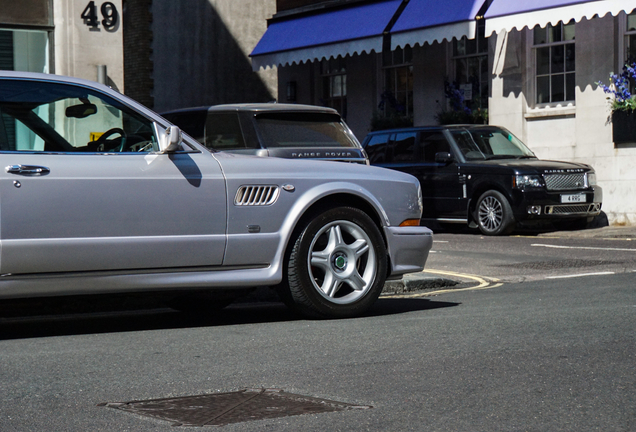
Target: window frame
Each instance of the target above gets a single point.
(481, 53)
(400, 58)
(330, 70)
(533, 64)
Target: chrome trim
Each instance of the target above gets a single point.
(574, 209)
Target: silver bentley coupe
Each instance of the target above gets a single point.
(98, 194)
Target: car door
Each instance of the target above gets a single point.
(414, 153)
(84, 188)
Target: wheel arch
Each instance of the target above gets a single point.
(479, 190)
(327, 202)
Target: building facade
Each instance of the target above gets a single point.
(68, 37)
(530, 66)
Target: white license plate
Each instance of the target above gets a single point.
(575, 198)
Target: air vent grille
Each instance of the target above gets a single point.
(256, 195)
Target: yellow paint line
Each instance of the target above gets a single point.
(483, 282)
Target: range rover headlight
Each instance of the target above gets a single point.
(591, 179)
(524, 181)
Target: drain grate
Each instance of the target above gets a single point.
(235, 407)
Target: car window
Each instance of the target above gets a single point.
(376, 148)
(52, 117)
(304, 130)
(404, 147)
(432, 143)
(191, 122)
(490, 143)
(223, 132)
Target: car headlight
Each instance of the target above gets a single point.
(591, 179)
(420, 200)
(524, 181)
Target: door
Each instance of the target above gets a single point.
(414, 153)
(83, 188)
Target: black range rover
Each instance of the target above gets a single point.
(271, 129)
(486, 177)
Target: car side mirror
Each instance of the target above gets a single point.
(169, 139)
(444, 158)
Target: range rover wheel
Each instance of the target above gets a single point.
(494, 215)
(337, 265)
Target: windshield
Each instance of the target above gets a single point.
(481, 143)
(304, 130)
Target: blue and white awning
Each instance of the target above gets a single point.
(505, 15)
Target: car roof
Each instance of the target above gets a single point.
(434, 127)
(257, 107)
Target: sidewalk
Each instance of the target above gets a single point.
(608, 232)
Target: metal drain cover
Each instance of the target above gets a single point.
(235, 407)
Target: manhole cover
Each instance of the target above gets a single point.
(235, 407)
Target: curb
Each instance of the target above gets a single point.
(416, 282)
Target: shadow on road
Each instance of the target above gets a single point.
(33, 318)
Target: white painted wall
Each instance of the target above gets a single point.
(578, 132)
(79, 49)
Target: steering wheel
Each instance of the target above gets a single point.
(102, 139)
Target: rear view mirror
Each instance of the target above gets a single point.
(81, 110)
(169, 139)
(444, 158)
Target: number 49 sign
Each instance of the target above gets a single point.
(109, 14)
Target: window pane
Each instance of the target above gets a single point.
(558, 88)
(376, 148)
(460, 47)
(303, 130)
(558, 59)
(570, 83)
(336, 86)
(570, 53)
(404, 147)
(568, 31)
(631, 22)
(556, 33)
(543, 89)
(631, 49)
(543, 61)
(223, 132)
(471, 46)
(408, 54)
(540, 35)
(432, 143)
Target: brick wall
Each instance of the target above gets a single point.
(138, 65)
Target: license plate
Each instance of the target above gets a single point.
(575, 198)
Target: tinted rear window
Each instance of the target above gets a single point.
(303, 130)
(223, 132)
(191, 122)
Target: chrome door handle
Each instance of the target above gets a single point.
(32, 170)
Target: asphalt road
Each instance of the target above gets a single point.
(527, 352)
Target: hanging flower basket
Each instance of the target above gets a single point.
(624, 126)
(623, 104)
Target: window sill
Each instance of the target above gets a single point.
(548, 113)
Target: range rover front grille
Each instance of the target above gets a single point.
(256, 195)
(565, 181)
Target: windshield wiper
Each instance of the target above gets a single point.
(526, 157)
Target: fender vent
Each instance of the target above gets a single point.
(256, 195)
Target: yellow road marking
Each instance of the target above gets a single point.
(484, 282)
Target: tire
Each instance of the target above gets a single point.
(494, 214)
(337, 265)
